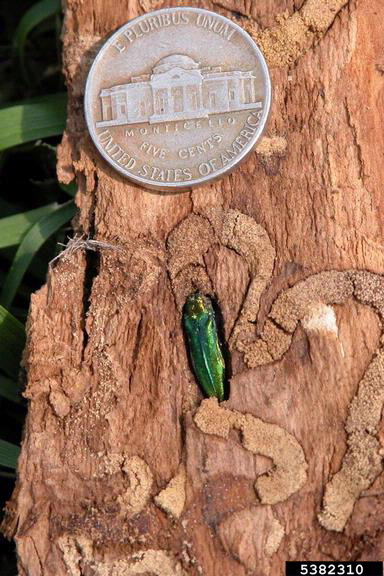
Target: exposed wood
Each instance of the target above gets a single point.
(123, 469)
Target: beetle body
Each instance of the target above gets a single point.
(203, 342)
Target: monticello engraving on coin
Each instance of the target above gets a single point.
(177, 97)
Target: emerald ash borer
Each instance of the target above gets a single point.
(203, 344)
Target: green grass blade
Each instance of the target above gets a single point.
(36, 14)
(7, 208)
(13, 228)
(9, 454)
(7, 474)
(70, 188)
(32, 241)
(31, 120)
(12, 342)
(9, 389)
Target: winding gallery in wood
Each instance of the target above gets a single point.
(177, 89)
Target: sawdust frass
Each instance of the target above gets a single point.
(363, 461)
(172, 498)
(270, 146)
(140, 483)
(289, 472)
(238, 232)
(187, 244)
(78, 555)
(250, 534)
(308, 302)
(294, 34)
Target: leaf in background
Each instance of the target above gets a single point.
(6, 208)
(7, 474)
(33, 119)
(12, 342)
(9, 454)
(24, 291)
(36, 14)
(9, 389)
(32, 241)
(13, 228)
(37, 271)
(70, 188)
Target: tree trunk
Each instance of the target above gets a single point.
(124, 468)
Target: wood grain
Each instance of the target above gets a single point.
(111, 396)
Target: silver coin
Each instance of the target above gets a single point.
(177, 97)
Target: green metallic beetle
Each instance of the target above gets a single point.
(204, 346)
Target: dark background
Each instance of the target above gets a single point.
(27, 181)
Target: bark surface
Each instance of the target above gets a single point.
(124, 469)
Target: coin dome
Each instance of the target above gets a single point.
(178, 106)
(173, 61)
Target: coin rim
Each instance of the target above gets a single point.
(196, 181)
